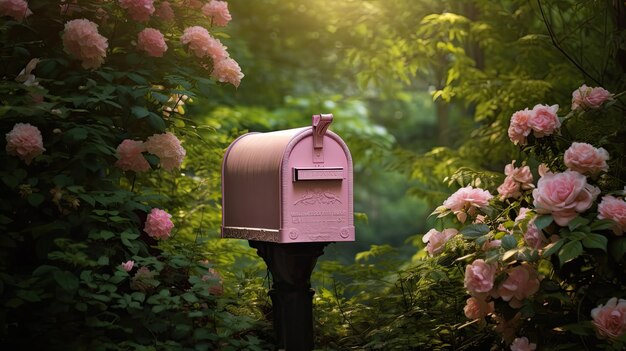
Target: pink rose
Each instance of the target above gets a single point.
(167, 147)
(227, 71)
(152, 42)
(543, 120)
(165, 12)
(202, 44)
(522, 344)
(82, 40)
(25, 142)
(590, 98)
(477, 308)
(610, 319)
(509, 189)
(158, 224)
(614, 209)
(18, 9)
(564, 195)
(521, 175)
(437, 240)
(466, 201)
(479, 277)
(522, 282)
(519, 128)
(586, 159)
(128, 265)
(218, 12)
(130, 156)
(139, 10)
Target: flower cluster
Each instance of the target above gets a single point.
(165, 146)
(158, 224)
(533, 221)
(82, 40)
(25, 142)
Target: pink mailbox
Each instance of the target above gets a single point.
(288, 186)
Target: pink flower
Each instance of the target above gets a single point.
(590, 98)
(81, 40)
(18, 9)
(202, 44)
(152, 42)
(25, 142)
(543, 169)
(128, 265)
(479, 277)
(521, 175)
(610, 319)
(165, 12)
(437, 240)
(522, 282)
(519, 128)
(509, 189)
(218, 12)
(167, 147)
(564, 195)
(533, 237)
(522, 344)
(130, 157)
(586, 159)
(139, 10)
(466, 201)
(158, 224)
(227, 70)
(477, 308)
(543, 120)
(614, 209)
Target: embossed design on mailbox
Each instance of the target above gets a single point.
(288, 186)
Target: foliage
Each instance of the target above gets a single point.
(73, 217)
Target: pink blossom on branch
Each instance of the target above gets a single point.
(610, 320)
(152, 42)
(167, 148)
(466, 201)
(131, 157)
(614, 209)
(519, 128)
(25, 142)
(218, 12)
(82, 41)
(18, 9)
(522, 344)
(437, 240)
(202, 44)
(543, 120)
(158, 224)
(564, 195)
(590, 98)
(586, 159)
(139, 10)
(165, 12)
(476, 308)
(227, 71)
(479, 277)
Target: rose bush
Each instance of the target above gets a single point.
(560, 250)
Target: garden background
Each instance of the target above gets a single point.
(117, 115)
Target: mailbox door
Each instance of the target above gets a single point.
(317, 192)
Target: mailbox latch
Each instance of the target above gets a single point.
(320, 124)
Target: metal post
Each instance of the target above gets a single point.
(291, 266)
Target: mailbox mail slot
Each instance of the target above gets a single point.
(288, 186)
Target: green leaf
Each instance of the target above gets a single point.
(543, 221)
(618, 249)
(577, 222)
(474, 230)
(103, 260)
(595, 241)
(575, 235)
(62, 180)
(140, 111)
(552, 248)
(66, 280)
(35, 199)
(602, 224)
(156, 122)
(77, 134)
(509, 242)
(570, 251)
